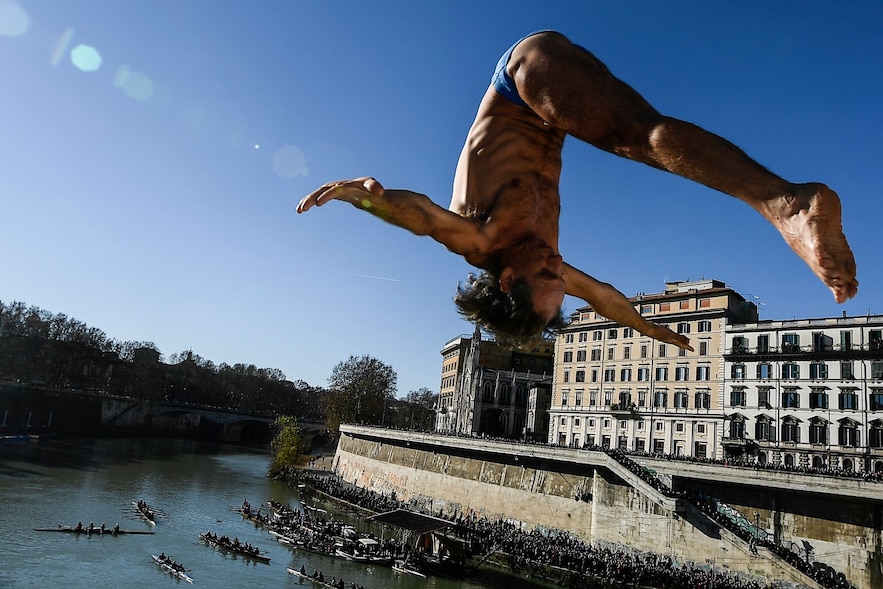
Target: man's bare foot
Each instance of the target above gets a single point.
(811, 224)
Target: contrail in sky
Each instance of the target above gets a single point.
(366, 276)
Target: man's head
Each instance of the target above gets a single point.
(519, 297)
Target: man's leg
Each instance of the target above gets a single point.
(572, 90)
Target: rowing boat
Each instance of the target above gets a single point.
(242, 551)
(144, 511)
(313, 580)
(95, 531)
(169, 568)
(406, 568)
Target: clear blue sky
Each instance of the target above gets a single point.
(154, 196)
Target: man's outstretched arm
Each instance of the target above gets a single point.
(611, 303)
(403, 208)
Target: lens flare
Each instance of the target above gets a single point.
(86, 58)
(61, 46)
(14, 21)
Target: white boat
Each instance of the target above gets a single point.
(171, 569)
(401, 566)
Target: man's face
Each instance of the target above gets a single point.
(543, 269)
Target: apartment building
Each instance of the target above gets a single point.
(485, 387)
(616, 387)
(807, 392)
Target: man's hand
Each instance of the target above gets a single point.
(612, 304)
(358, 192)
(664, 334)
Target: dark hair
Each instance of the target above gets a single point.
(509, 316)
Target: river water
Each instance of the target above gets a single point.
(194, 487)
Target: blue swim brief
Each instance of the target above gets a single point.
(503, 83)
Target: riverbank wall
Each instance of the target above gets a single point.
(592, 496)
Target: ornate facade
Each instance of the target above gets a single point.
(615, 387)
(806, 393)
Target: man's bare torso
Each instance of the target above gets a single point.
(508, 173)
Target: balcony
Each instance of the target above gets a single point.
(625, 411)
(873, 350)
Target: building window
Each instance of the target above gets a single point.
(740, 345)
(737, 371)
(845, 340)
(846, 372)
(818, 370)
(791, 342)
(608, 398)
(660, 426)
(606, 423)
(664, 307)
(580, 376)
(644, 350)
(875, 437)
(704, 303)
(818, 431)
(877, 370)
(848, 434)
(611, 352)
(848, 400)
(703, 400)
(684, 305)
(763, 344)
(681, 400)
(627, 332)
(580, 355)
(593, 400)
(703, 372)
(791, 370)
(597, 336)
(703, 348)
(679, 426)
(625, 399)
(662, 350)
(596, 355)
(646, 309)
(763, 431)
(790, 431)
(583, 336)
(611, 334)
(764, 371)
(661, 399)
(564, 397)
(737, 398)
(818, 399)
(875, 400)
(682, 373)
(703, 326)
(594, 375)
(566, 376)
(763, 398)
(643, 374)
(610, 375)
(662, 373)
(640, 426)
(642, 398)
(627, 352)
(683, 327)
(791, 399)
(578, 398)
(700, 428)
(625, 375)
(568, 356)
